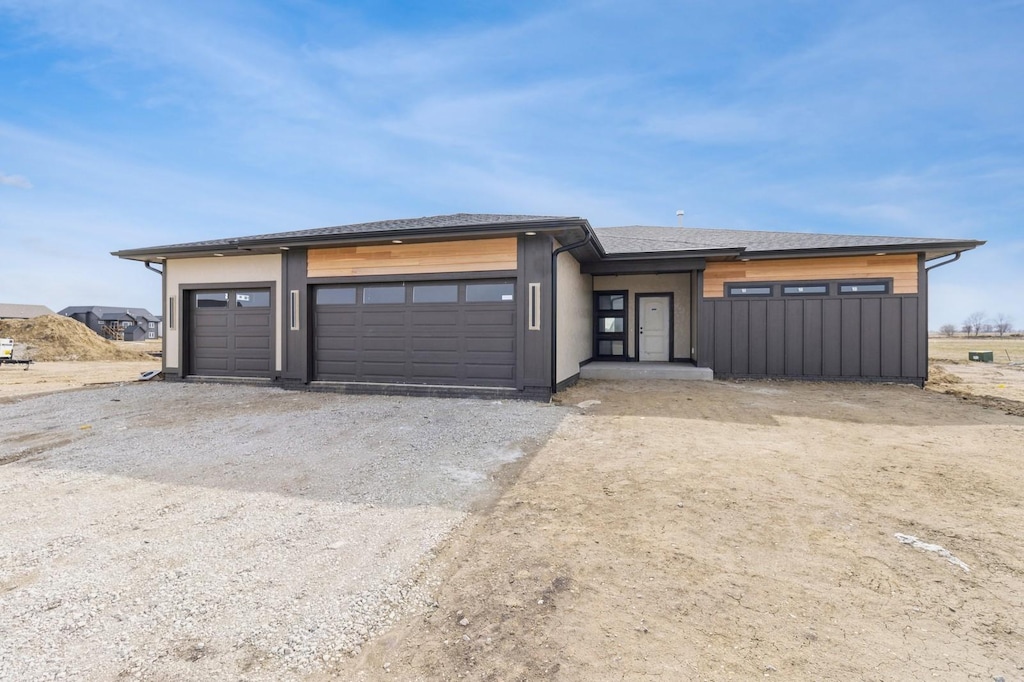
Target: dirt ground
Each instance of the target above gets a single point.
(732, 530)
(997, 384)
(46, 377)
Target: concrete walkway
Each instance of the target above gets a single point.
(681, 371)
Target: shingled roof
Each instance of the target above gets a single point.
(427, 223)
(22, 311)
(639, 239)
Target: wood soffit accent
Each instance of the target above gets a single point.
(466, 255)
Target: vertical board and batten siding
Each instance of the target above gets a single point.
(846, 337)
(901, 268)
(831, 337)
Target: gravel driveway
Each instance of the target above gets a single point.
(180, 531)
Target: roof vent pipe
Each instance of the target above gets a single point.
(679, 215)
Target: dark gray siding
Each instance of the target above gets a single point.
(870, 337)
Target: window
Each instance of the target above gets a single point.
(151, 325)
(211, 299)
(384, 295)
(864, 287)
(252, 299)
(435, 293)
(336, 296)
(610, 348)
(804, 289)
(610, 324)
(751, 290)
(151, 335)
(125, 324)
(611, 302)
(486, 293)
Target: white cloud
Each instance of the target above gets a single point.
(15, 181)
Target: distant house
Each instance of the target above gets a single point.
(119, 324)
(21, 311)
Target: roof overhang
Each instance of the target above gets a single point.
(930, 250)
(564, 230)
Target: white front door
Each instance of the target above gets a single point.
(654, 328)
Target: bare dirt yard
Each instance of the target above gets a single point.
(46, 377)
(998, 384)
(739, 530)
(683, 531)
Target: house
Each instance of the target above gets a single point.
(516, 305)
(119, 324)
(22, 311)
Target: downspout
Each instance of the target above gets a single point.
(954, 259)
(149, 266)
(554, 302)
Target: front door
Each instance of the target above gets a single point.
(654, 329)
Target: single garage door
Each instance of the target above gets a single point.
(230, 333)
(453, 333)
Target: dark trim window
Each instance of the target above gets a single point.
(211, 299)
(805, 289)
(335, 295)
(491, 292)
(252, 299)
(610, 308)
(745, 290)
(868, 287)
(384, 295)
(435, 293)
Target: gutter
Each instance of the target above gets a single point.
(149, 266)
(587, 237)
(954, 259)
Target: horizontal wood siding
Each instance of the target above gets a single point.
(467, 255)
(869, 337)
(902, 268)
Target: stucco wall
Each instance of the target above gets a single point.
(214, 270)
(676, 284)
(575, 318)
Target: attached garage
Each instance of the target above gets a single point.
(514, 305)
(458, 333)
(230, 333)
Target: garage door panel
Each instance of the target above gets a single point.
(434, 370)
(251, 343)
(205, 320)
(337, 366)
(435, 319)
(383, 318)
(418, 342)
(333, 343)
(374, 343)
(490, 344)
(434, 343)
(490, 318)
(342, 318)
(209, 364)
(489, 372)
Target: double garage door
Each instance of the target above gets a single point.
(230, 332)
(447, 333)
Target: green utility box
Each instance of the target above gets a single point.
(980, 355)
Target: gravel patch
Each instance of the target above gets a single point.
(198, 531)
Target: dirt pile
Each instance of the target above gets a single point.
(939, 376)
(55, 337)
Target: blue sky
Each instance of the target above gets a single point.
(125, 125)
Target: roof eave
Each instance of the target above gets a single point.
(939, 249)
(247, 245)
